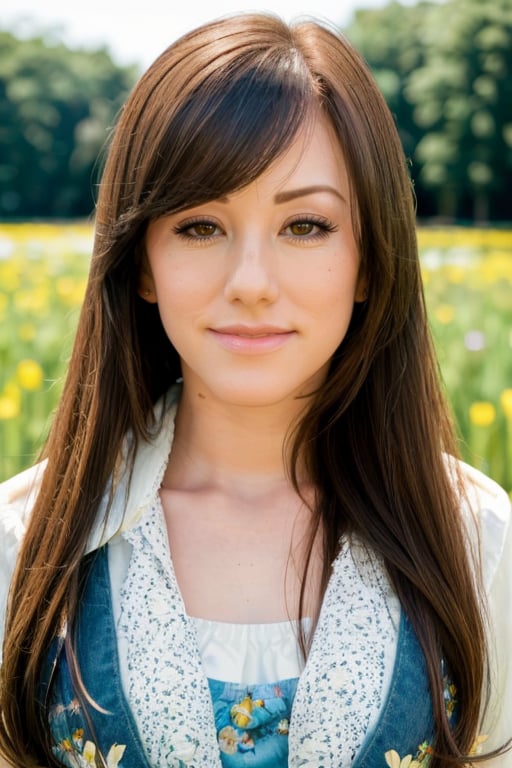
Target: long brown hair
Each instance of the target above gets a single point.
(211, 114)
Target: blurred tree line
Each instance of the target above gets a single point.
(56, 107)
(445, 70)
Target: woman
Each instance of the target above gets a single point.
(248, 544)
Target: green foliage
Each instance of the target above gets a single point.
(445, 69)
(56, 106)
(468, 281)
(446, 72)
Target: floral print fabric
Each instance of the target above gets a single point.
(235, 712)
(166, 688)
(339, 694)
(71, 747)
(253, 722)
(348, 669)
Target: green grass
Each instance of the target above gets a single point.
(468, 284)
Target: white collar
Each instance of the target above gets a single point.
(134, 491)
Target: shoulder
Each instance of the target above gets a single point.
(490, 508)
(486, 509)
(482, 492)
(17, 497)
(486, 512)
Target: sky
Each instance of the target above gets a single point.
(138, 34)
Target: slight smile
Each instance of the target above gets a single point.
(251, 339)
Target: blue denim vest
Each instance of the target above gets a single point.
(405, 724)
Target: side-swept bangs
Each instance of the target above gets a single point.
(207, 118)
(217, 111)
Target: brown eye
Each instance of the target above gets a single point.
(203, 229)
(200, 230)
(301, 228)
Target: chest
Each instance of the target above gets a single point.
(254, 555)
(325, 698)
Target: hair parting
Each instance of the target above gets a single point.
(214, 111)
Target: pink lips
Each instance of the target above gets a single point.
(251, 339)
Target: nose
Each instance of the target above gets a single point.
(252, 277)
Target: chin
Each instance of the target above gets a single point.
(259, 394)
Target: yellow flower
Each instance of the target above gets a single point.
(29, 374)
(89, 753)
(13, 392)
(27, 331)
(115, 755)
(241, 713)
(10, 401)
(455, 274)
(482, 413)
(394, 760)
(506, 402)
(444, 313)
(9, 276)
(9, 408)
(66, 745)
(34, 301)
(70, 290)
(476, 748)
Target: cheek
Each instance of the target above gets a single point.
(333, 289)
(178, 289)
(183, 297)
(334, 304)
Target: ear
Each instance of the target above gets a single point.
(146, 286)
(361, 293)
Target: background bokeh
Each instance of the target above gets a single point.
(445, 69)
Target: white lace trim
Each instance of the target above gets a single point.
(165, 683)
(340, 691)
(350, 664)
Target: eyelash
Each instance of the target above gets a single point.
(185, 227)
(323, 225)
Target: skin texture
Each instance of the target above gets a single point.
(256, 292)
(250, 262)
(261, 485)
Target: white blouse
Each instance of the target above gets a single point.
(343, 639)
(157, 640)
(249, 653)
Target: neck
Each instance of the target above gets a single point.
(239, 449)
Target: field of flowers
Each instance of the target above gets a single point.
(468, 283)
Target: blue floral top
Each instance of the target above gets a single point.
(206, 721)
(253, 721)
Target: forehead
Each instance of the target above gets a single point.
(314, 157)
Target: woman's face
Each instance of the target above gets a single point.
(256, 290)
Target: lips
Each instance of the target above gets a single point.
(251, 339)
(251, 332)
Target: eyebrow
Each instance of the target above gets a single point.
(291, 194)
